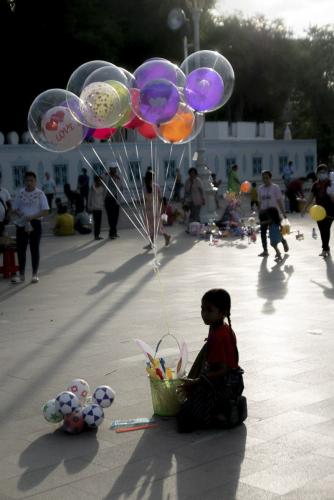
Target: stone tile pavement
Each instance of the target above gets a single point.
(79, 321)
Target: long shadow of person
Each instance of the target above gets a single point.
(168, 465)
(45, 454)
(273, 284)
(328, 290)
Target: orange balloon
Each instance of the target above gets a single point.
(245, 187)
(178, 128)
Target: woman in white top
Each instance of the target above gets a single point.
(95, 204)
(30, 205)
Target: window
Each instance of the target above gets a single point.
(60, 174)
(98, 168)
(257, 165)
(134, 171)
(170, 169)
(18, 175)
(228, 164)
(309, 163)
(282, 162)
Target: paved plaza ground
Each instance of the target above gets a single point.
(80, 320)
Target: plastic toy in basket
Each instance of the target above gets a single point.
(165, 380)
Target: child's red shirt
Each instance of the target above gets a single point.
(222, 347)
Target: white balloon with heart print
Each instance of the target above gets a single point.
(52, 124)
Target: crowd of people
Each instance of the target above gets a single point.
(83, 208)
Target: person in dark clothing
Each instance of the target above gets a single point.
(74, 199)
(294, 191)
(111, 201)
(214, 386)
(319, 193)
(83, 186)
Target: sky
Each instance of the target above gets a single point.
(297, 14)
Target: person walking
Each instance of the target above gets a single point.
(319, 193)
(30, 205)
(194, 195)
(269, 195)
(111, 201)
(95, 204)
(49, 188)
(83, 186)
(233, 182)
(178, 185)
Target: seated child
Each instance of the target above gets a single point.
(214, 385)
(64, 222)
(83, 223)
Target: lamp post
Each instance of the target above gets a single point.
(176, 20)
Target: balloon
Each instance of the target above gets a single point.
(52, 124)
(158, 69)
(245, 187)
(208, 59)
(317, 212)
(134, 123)
(130, 78)
(100, 105)
(147, 130)
(179, 128)
(77, 80)
(204, 89)
(106, 73)
(158, 101)
(130, 119)
(104, 133)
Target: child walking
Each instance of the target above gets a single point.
(275, 230)
(214, 385)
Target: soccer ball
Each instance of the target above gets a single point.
(50, 413)
(80, 388)
(103, 396)
(93, 415)
(66, 402)
(74, 422)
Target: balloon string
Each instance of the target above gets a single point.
(164, 307)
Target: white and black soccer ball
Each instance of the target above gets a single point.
(93, 415)
(50, 413)
(80, 388)
(66, 402)
(103, 396)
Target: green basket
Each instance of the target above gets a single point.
(165, 398)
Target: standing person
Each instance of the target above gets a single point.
(30, 205)
(269, 196)
(287, 173)
(233, 182)
(194, 195)
(83, 186)
(153, 207)
(96, 204)
(216, 183)
(275, 230)
(49, 188)
(214, 385)
(178, 185)
(294, 191)
(111, 201)
(319, 193)
(5, 209)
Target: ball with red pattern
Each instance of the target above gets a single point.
(80, 388)
(74, 422)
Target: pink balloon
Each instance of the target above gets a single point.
(104, 133)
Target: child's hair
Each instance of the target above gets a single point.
(221, 299)
(274, 215)
(164, 201)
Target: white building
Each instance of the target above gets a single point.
(250, 145)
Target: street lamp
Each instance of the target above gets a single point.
(176, 20)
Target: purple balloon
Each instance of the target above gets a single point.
(158, 101)
(156, 69)
(204, 89)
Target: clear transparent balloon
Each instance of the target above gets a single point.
(52, 124)
(100, 105)
(158, 69)
(105, 74)
(130, 78)
(220, 76)
(179, 128)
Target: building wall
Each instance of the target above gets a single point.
(251, 155)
